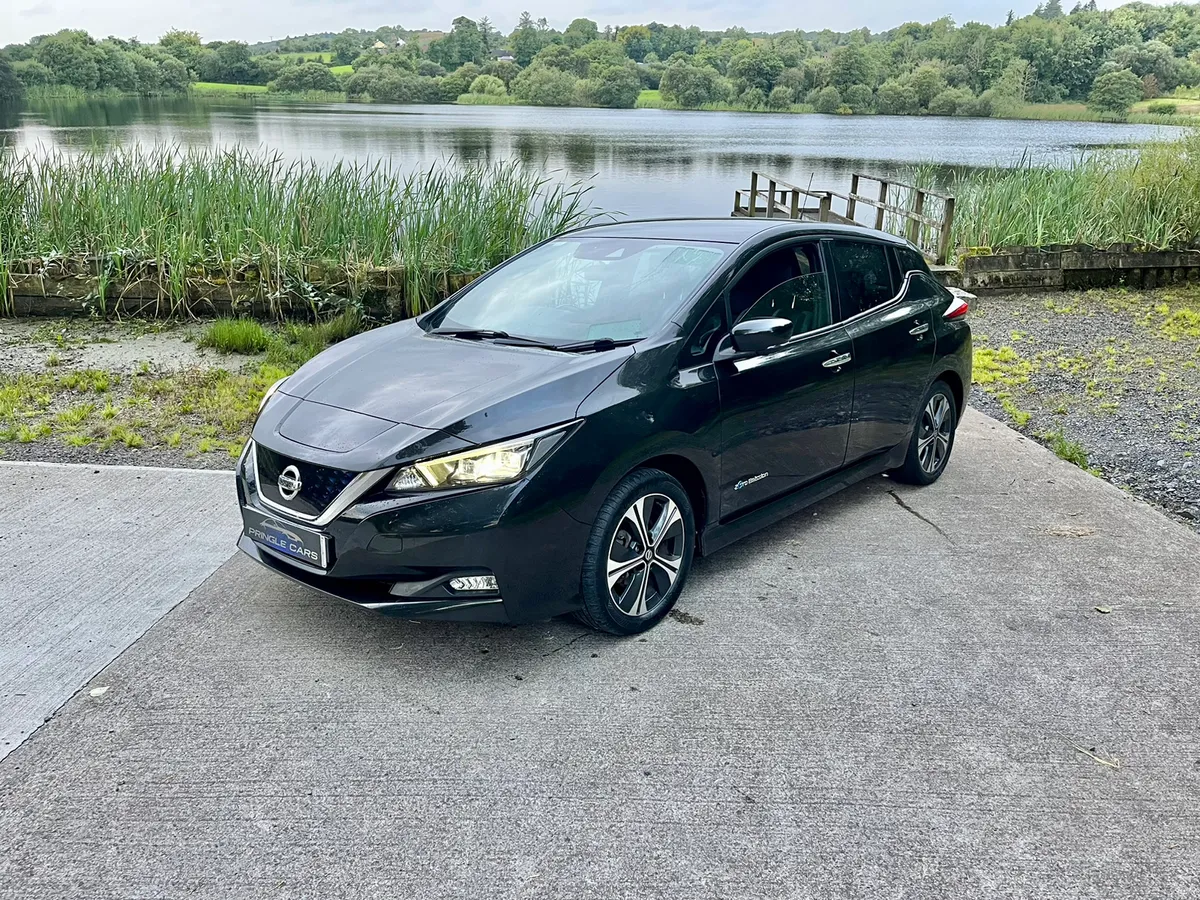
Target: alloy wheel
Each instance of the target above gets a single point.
(933, 443)
(645, 555)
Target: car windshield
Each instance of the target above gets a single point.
(584, 289)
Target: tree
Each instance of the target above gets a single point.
(185, 47)
(463, 44)
(859, 98)
(71, 57)
(755, 68)
(527, 40)
(346, 46)
(10, 87)
(781, 98)
(829, 100)
(895, 98)
(1050, 10)
(459, 81)
(543, 86)
(580, 32)
(489, 85)
(1115, 92)
(753, 98)
(231, 63)
(615, 87)
(926, 82)
(850, 65)
(690, 86)
(560, 56)
(309, 76)
(504, 69)
(637, 41)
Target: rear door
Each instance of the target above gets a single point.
(889, 319)
(785, 413)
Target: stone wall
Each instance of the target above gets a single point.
(1058, 268)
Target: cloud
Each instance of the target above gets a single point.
(45, 8)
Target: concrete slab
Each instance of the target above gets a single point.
(91, 557)
(900, 693)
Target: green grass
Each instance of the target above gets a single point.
(216, 87)
(278, 229)
(312, 55)
(235, 336)
(1066, 449)
(342, 70)
(651, 100)
(1150, 199)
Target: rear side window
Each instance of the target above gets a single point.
(864, 275)
(911, 261)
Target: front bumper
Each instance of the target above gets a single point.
(397, 555)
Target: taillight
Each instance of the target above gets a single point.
(959, 306)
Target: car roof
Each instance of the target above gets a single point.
(731, 230)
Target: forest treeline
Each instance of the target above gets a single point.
(1109, 59)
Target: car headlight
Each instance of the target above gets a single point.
(493, 464)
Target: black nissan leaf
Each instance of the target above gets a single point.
(568, 432)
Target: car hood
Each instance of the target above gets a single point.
(475, 390)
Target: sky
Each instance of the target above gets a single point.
(261, 20)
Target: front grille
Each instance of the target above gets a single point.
(319, 485)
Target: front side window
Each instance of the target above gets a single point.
(585, 288)
(787, 284)
(864, 275)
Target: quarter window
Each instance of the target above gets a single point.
(864, 275)
(787, 284)
(911, 261)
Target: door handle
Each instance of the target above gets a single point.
(835, 362)
(919, 330)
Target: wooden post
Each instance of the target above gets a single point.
(795, 203)
(852, 203)
(826, 200)
(771, 199)
(753, 194)
(947, 233)
(879, 214)
(914, 224)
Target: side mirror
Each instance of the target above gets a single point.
(756, 336)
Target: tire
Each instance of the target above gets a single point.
(633, 603)
(932, 439)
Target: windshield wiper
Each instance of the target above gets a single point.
(596, 345)
(489, 334)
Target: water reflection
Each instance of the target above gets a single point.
(640, 162)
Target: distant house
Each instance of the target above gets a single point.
(505, 56)
(400, 42)
(379, 47)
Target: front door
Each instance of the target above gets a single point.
(785, 413)
(891, 327)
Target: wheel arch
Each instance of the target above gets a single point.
(955, 382)
(688, 474)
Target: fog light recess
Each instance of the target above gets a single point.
(474, 583)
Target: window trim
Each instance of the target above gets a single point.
(789, 241)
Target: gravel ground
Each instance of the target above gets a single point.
(1113, 376)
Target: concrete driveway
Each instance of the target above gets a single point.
(899, 693)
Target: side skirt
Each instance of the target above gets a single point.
(723, 534)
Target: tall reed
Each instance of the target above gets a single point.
(1150, 198)
(193, 212)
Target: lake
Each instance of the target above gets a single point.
(640, 162)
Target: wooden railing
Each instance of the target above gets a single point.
(924, 216)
